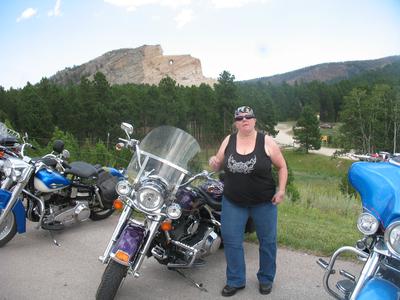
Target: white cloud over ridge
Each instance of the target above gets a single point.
(184, 17)
(132, 5)
(234, 3)
(56, 11)
(26, 14)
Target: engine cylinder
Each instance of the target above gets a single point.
(82, 212)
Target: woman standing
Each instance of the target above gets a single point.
(249, 191)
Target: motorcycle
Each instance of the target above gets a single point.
(181, 220)
(379, 187)
(56, 193)
(9, 145)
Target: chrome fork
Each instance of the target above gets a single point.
(22, 182)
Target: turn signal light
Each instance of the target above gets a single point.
(166, 225)
(119, 146)
(1, 154)
(118, 204)
(122, 256)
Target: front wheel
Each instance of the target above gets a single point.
(98, 213)
(8, 229)
(111, 280)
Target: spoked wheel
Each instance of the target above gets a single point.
(98, 213)
(111, 280)
(8, 229)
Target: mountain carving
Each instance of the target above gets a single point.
(329, 72)
(145, 64)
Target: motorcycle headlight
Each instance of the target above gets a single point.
(392, 238)
(150, 197)
(367, 224)
(123, 188)
(174, 211)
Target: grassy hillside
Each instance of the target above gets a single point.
(323, 219)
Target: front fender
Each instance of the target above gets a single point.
(379, 289)
(18, 210)
(128, 244)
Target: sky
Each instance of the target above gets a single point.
(248, 38)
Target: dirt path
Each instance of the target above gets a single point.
(285, 138)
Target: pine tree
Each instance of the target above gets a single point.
(306, 131)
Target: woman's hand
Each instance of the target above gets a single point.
(278, 197)
(214, 163)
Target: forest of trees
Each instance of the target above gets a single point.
(367, 106)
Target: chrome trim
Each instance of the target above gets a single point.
(6, 183)
(42, 207)
(188, 248)
(176, 187)
(96, 191)
(369, 269)
(17, 191)
(386, 238)
(329, 269)
(141, 170)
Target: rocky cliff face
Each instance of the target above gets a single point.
(145, 64)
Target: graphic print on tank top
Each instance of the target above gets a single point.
(241, 167)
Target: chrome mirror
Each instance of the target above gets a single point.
(65, 154)
(128, 128)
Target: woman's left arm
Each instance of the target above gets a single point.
(280, 164)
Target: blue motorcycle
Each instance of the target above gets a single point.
(55, 193)
(378, 184)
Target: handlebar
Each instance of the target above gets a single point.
(203, 174)
(58, 161)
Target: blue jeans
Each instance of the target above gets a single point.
(233, 220)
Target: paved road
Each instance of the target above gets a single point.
(32, 267)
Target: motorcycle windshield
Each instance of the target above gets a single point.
(378, 184)
(8, 137)
(165, 152)
(3, 129)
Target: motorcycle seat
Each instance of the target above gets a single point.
(82, 169)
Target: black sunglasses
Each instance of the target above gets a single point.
(247, 117)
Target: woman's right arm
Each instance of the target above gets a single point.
(215, 161)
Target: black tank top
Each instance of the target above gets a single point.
(248, 178)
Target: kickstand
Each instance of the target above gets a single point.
(54, 239)
(198, 285)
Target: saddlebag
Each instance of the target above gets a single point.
(106, 183)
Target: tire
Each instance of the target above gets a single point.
(98, 214)
(8, 229)
(111, 280)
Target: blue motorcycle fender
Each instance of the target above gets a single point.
(379, 289)
(128, 244)
(18, 209)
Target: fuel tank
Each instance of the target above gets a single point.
(48, 181)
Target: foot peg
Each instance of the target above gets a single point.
(324, 265)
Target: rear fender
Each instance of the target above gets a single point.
(379, 289)
(128, 244)
(18, 210)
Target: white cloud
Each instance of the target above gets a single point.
(234, 3)
(132, 5)
(184, 17)
(26, 14)
(56, 11)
